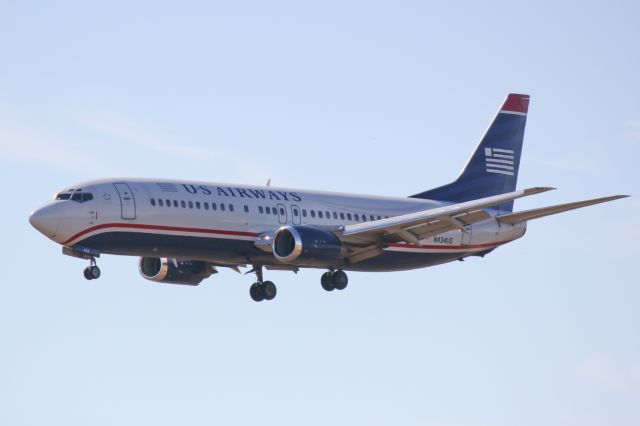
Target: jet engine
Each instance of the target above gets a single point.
(306, 245)
(172, 271)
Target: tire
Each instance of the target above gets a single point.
(339, 279)
(255, 291)
(87, 274)
(326, 281)
(95, 272)
(269, 290)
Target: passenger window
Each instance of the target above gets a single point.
(230, 207)
(198, 205)
(168, 203)
(190, 204)
(304, 213)
(222, 207)
(295, 212)
(268, 209)
(371, 217)
(357, 216)
(183, 204)
(342, 216)
(153, 201)
(246, 208)
(282, 212)
(328, 215)
(335, 215)
(160, 202)
(320, 214)
(379, 217)
(260, 210)
(274, 211)
(175, 203)
(313, 213)
(349, 216)
(214, 206)
(206, 205)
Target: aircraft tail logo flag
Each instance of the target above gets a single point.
(493, 166)
(499, 161)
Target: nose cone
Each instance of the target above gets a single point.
(46, 220)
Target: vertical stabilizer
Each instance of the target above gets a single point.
(493, 167)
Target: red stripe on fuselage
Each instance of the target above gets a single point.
(159, 228)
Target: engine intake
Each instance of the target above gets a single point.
(306, 245)
(171, 271)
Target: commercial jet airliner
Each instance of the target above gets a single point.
(184, 231)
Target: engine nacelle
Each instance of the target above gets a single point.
(305, 245)
(171, 271)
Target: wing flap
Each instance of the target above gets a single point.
(525, 215)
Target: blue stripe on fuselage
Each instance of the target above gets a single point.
(230, 251)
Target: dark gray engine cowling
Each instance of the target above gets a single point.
(306, 245)
(171, 271)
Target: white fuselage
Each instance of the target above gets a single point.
(220, 223)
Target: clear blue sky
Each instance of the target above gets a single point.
(372, 97)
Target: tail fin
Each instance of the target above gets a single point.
(493, 167)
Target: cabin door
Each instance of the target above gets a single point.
(127, 202)
(282, 214)
(466, 235)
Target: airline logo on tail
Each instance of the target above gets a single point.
(499, 161)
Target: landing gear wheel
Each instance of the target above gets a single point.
(255, 291)
(261, 290)
(269, 290)
(339, 280)
(92, 272)
(327, 282)
(95, 272)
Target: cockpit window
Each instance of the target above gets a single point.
(80, 197)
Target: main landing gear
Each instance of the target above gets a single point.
(262, 290)
(337, 280)
(92, 272)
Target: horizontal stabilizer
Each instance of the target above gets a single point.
(546, 211)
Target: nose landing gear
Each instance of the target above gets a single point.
(92, 272)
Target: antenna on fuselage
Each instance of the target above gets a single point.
(269, 182)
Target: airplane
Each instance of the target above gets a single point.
(183, 231)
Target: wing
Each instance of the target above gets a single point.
(367, 238)
(522, 216)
